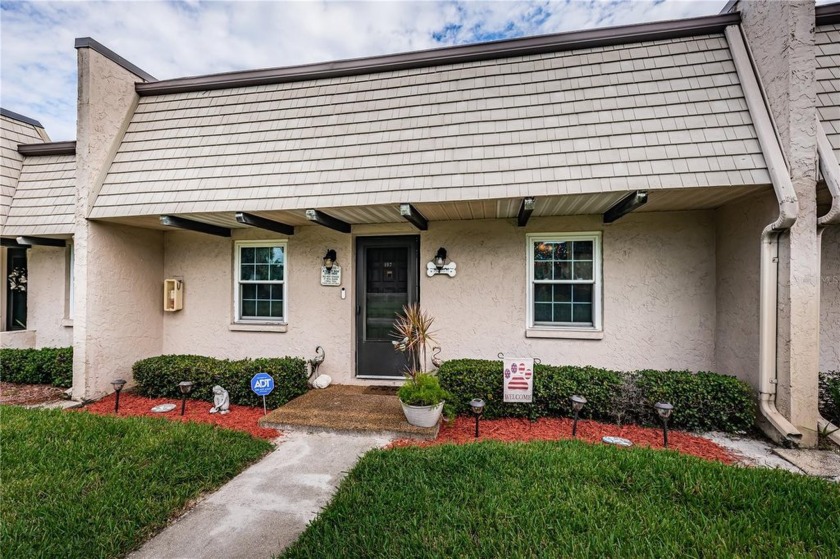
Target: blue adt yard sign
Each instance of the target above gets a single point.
(262, 384)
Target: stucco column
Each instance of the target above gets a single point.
(118, 316)
(781, 38)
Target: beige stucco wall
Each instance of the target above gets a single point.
(118, 270)
(659, 294)
(47, 305)
(830, 301)
(47, 302)
(316, 315)
(737, 253)
(124, 318)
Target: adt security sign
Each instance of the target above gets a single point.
(262, 384)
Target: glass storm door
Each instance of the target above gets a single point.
(16, 288)
(387, 278)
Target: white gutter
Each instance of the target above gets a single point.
(788, 211)
(830, 170)
(831, 173)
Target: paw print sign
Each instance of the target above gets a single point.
(519, 380)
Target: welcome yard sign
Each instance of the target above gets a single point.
(519, 380)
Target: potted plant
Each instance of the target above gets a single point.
(421, 395)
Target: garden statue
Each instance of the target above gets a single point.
(221, 400)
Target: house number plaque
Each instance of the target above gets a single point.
(331, 278)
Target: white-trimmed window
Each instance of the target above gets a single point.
(260, 281)
(564, 281)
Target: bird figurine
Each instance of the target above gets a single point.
(316, 361)
(436, 361)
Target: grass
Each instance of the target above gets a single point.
(81, 485)
(569, 499)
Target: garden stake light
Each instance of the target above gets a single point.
(664, 410)
(186, 388)
(118, 386)
(477, 407)
(577, 404)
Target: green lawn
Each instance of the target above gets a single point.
(80, 485)
(569, 499)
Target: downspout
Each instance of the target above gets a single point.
(788, 211)
(830, 170)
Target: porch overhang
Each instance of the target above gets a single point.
(343, 218)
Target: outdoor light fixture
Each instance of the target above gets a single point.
(186, 388)
(438, 265)
(118, 386)
(329, 259)
(477, 407)
(577, 404)
(440, 259)
(664, 410)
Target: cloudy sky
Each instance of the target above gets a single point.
(170, 39)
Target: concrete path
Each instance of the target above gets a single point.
(265, 508)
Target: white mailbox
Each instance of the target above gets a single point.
(173, 295)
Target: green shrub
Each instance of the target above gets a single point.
(423, 390)
(47, 365)
(702, 401)
(830, 396)
(466, 379)
(158, 377)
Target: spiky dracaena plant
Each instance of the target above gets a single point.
(413, 333)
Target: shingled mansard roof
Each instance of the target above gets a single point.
(44, 203)
(14, 129)
(828, 82)
(653, 114)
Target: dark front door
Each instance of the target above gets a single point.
(387, 278)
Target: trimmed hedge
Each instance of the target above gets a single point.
(702, 401)
(48, 365)
(829, 402)
(158, 377)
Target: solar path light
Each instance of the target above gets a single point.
(664, 410)
(577, 404)
(477, 407)
(186, 388)
(118, 386)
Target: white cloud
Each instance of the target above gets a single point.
(174, 39)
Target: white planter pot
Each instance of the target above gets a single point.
(422, 416)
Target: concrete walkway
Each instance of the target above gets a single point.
(265, 508)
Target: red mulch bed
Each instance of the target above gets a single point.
(462, 430)
(240, 418)
(29, 394)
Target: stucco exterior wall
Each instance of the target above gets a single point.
(118, 270)
(781, 38)
(316, 315)
(47, 303)
(830, 301)
(124, 305)
(738, 229)
(659, 294)
(47, 309)
(658, 291)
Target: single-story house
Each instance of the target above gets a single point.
(663, 195)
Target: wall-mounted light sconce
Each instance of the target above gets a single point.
(439, 266)
(329, 259)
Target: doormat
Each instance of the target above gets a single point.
(382, 390)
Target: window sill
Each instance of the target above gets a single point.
(258, 327)
(67, 322)
(559, 333)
